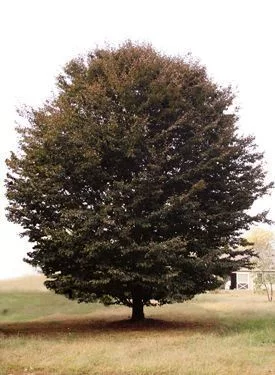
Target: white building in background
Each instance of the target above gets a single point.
(246, 279)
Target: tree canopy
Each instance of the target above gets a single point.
(134, 183)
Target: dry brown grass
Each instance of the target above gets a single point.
(214, 334)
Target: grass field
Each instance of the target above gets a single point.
(219, 333)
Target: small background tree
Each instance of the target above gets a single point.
(264, 245)
(133, 183)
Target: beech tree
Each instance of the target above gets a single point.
(134, 183)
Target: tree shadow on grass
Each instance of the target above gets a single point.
(88, 326)
(92, 326)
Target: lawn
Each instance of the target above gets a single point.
(216, 333)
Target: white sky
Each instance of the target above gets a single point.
(233, 38)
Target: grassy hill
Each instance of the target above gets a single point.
(26, 298)
(24, 283)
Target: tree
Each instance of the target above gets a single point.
(133, 182)
(263, 244)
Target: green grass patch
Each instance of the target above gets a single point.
(24, 306)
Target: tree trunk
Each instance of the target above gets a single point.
(269, 296)
(137, 309)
